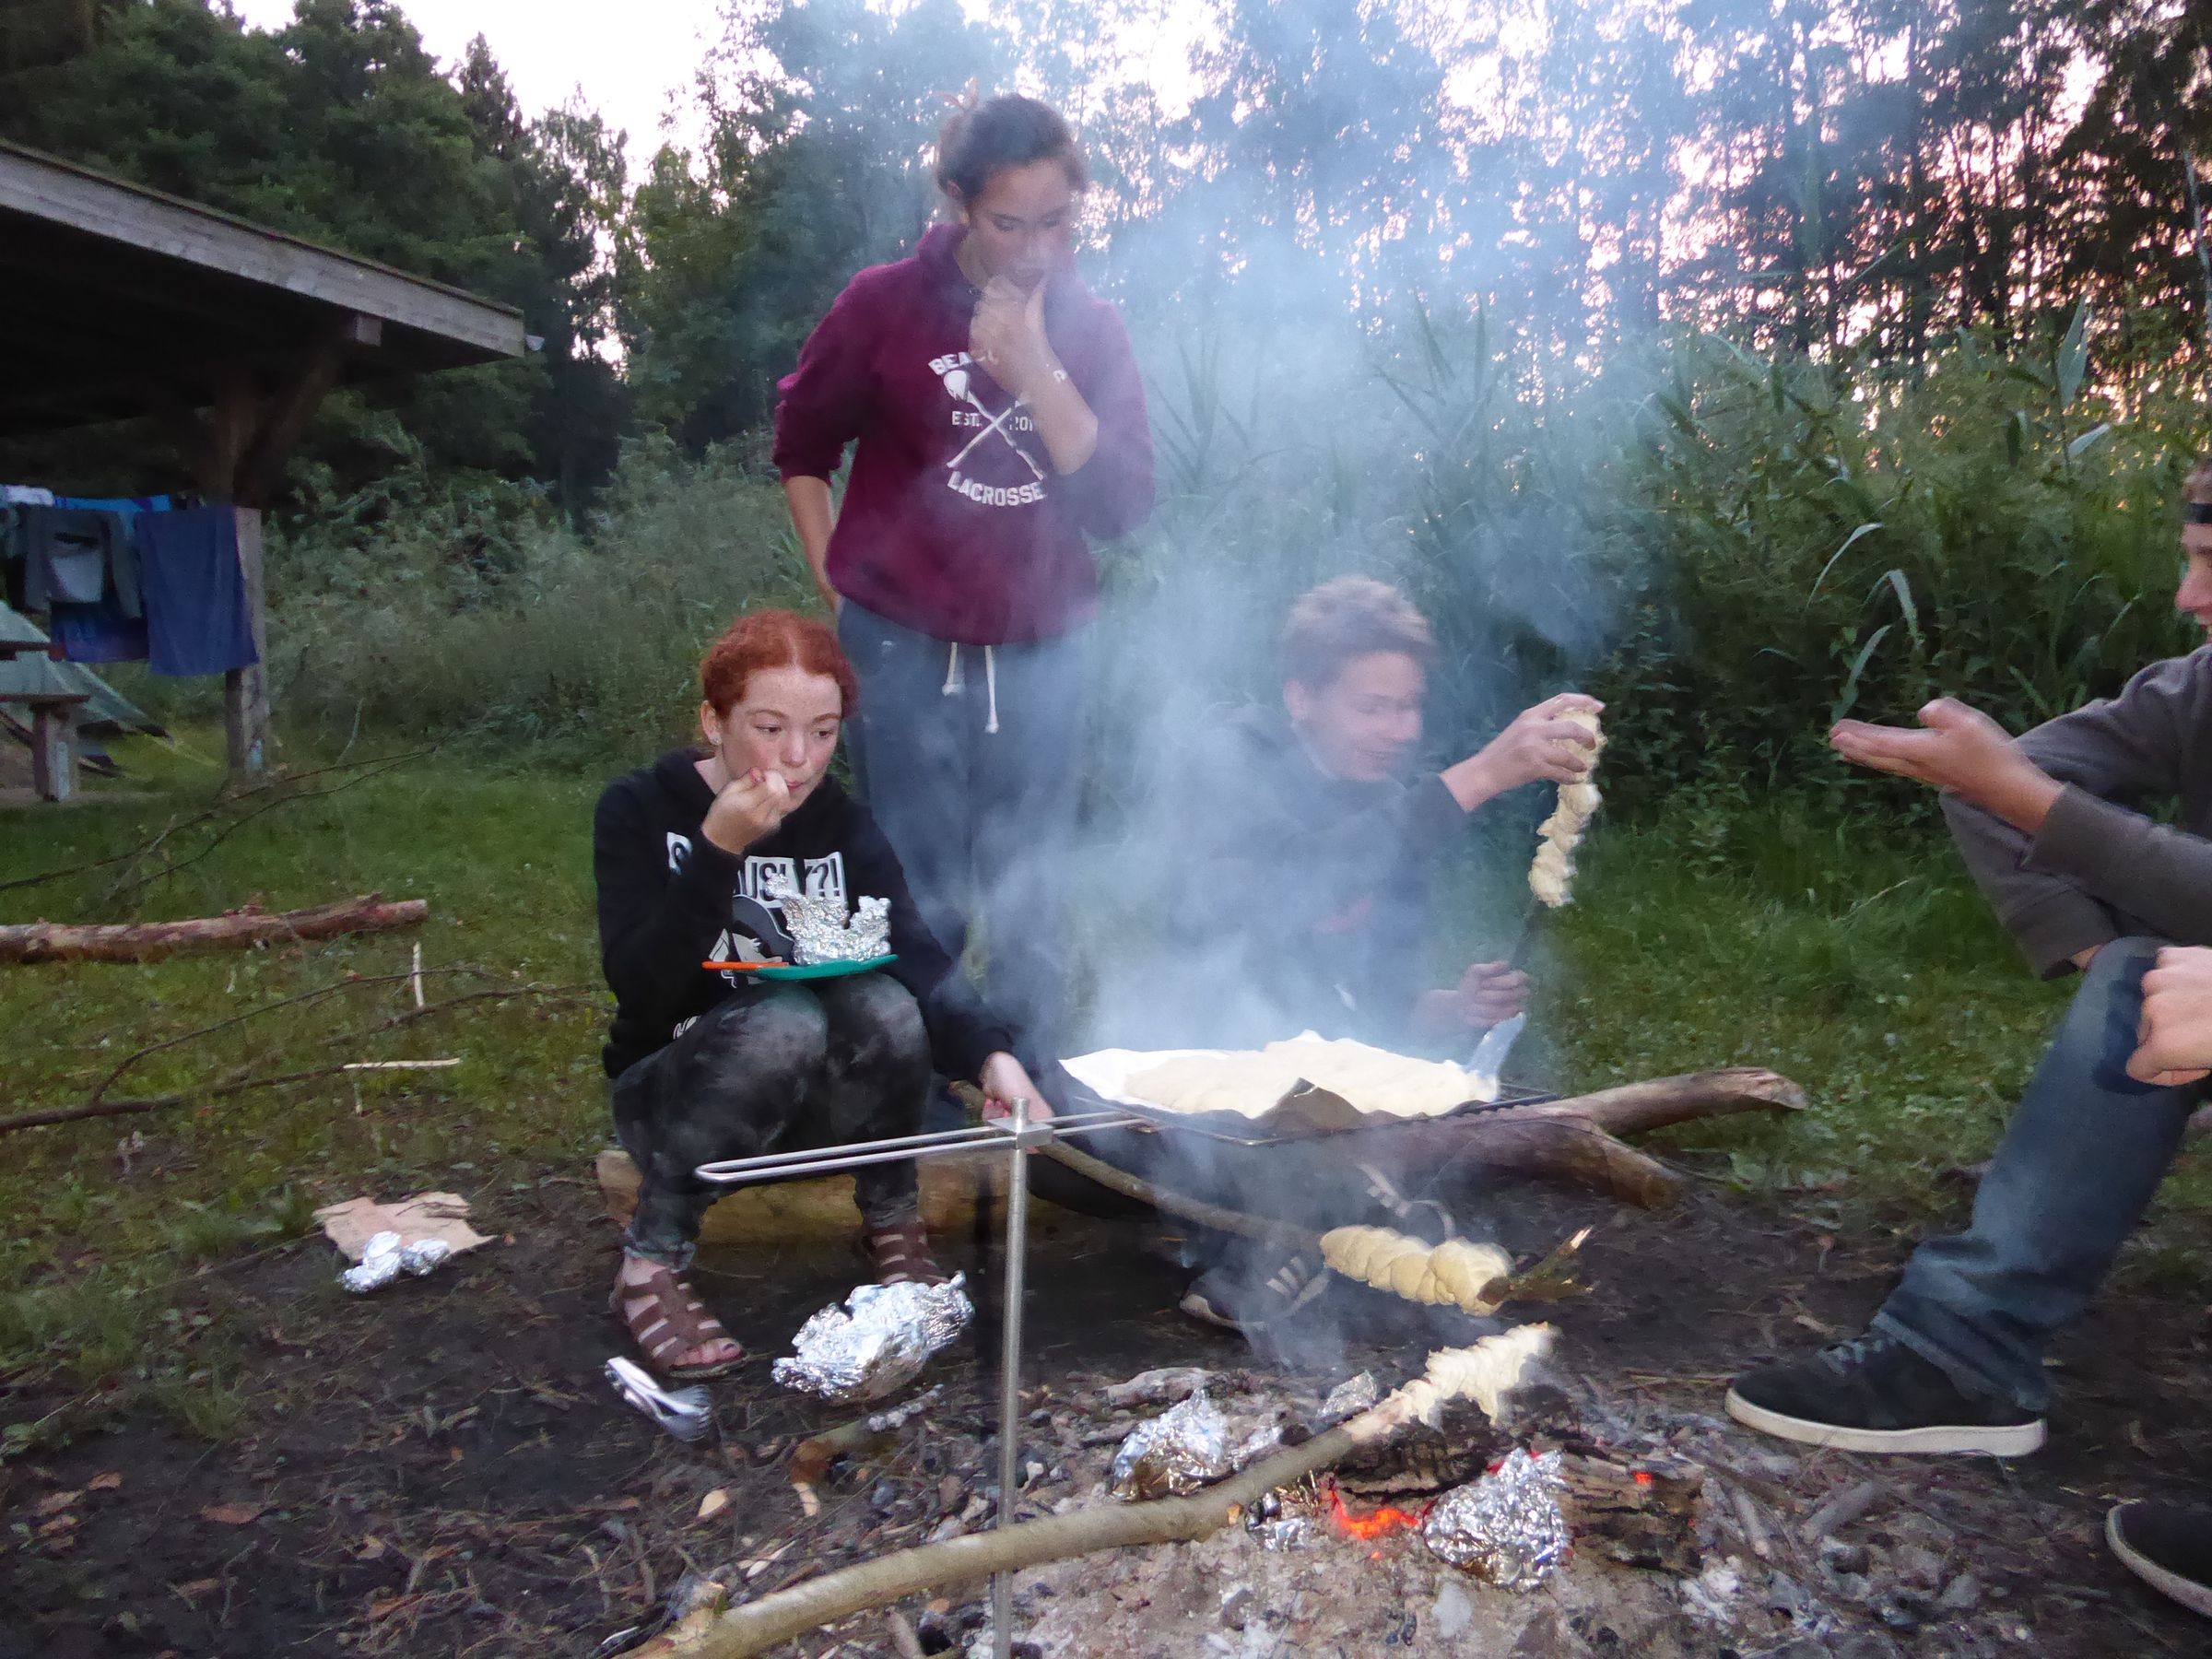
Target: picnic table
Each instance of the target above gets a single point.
(54, 706)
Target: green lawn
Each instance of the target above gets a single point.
(1865, 968)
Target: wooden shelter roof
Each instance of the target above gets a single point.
(118, 301)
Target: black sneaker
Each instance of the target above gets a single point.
(2168, 1546)
(1250, 1297)
(1876, 1394)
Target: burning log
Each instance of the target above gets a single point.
(1482, 1373)
(150, 941)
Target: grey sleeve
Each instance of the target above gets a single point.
(2146, 870)
(2057, 896)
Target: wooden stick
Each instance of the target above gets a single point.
(1191, 1209)
(240, 1081)
(760, 1625)
(151, 941)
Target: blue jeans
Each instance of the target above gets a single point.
(984, 821)
(2084, 1153)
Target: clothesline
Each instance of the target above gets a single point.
(125, 578)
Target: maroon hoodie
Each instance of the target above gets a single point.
(955, 522)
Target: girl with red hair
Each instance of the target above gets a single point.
(694, 856)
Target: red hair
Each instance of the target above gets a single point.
(773, 639)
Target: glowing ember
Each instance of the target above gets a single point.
(1381, 1524)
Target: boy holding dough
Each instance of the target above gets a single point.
(1306, 839)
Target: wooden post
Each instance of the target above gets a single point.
(53, 745)
(246, 690)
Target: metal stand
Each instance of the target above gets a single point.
(1019, 1136)
(1009, 1360)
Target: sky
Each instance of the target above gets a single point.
(549, 48)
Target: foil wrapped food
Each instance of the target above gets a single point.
(1183, 1448)
(1507, 1527)
(687, 1413)
(386, 1257)
(876, 1342)
(1349, 1399)
(822, 931)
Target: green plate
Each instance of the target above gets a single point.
(812, 970)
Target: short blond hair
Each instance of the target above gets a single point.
(1348, 617)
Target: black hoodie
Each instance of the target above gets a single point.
(1302, 900)
(668, 897)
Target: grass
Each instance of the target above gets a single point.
(1755, 933)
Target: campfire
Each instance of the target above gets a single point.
(1378, 1522)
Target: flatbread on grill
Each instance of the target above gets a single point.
(1252, 1082)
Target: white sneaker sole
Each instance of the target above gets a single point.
(2192, 1595)
(2016, 1439)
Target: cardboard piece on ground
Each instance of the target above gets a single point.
(352, 1223)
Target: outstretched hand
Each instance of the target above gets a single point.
(1541, 743)
(1958, 749)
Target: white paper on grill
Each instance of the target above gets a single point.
(1254, 1082)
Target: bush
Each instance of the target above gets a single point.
(478, 613)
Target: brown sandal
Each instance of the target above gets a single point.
(664, 1318)
(900, 1253)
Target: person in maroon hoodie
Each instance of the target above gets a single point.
(997, 420)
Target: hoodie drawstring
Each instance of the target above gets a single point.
(955, 682)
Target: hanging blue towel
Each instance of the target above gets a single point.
(195, 595)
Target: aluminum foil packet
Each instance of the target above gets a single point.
(687, 1413)
(1506, 1527)
(821, 932)
(876, 1342)
(385, 1258)
(1183, 1448)
(1349, 1399)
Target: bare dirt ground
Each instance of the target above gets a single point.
(442, 1469)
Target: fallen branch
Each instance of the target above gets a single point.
(1481, 1372)
(240, 1081)
(150, 941)
(229, 801)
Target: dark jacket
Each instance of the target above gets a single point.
(1300, 900)
(2100, 867)
(666, 893)
(949, 527)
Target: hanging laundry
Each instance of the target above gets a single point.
(72, 556)
(195, 593)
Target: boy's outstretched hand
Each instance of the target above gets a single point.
(1960, 749)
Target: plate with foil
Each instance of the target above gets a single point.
(809, 971)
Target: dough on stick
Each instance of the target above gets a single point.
(1455, 1273)
(1551, 876)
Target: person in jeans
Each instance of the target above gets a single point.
(996, 422)
(2052, 828)
(694, 856)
